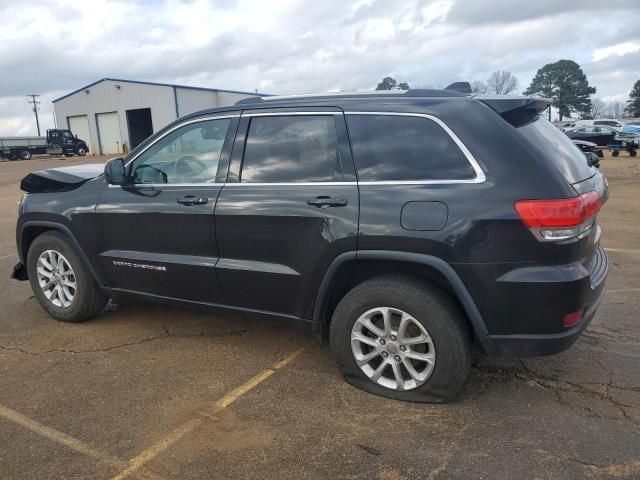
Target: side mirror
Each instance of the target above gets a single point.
(114, 171)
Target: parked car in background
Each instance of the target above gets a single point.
(601, 136)
(632, 128)
(591, 152)
(603, 122)
(404, 227)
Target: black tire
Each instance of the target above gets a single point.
(88, 300)
(68, 154)
(81, 151)
(431, 307)
(25, 155)
(615, 153)
(633, 153)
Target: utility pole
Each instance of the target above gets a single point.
(35, 104)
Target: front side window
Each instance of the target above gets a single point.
(189, 154)
(389, 147)
(291, 149)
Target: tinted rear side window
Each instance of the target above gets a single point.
(291, 149)
(553, 145)
(389, 147)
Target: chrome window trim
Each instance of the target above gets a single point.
(479, 178)
(480, 175)
(176, 127)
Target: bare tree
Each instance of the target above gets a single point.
(616, 110)
(598, 109)
(502, 82)
(478, 86)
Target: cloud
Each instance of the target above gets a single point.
(619, 50)
(295, 46)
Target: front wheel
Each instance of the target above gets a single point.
(81, 151)
(401, 338)
(61, 281)
(25, 155)
(633, 153)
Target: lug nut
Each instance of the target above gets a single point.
(393, 338)
(382, 342)
(385, 354)
(403, 348)
(397, 358)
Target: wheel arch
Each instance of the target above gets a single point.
(31, 229)
(351, 268)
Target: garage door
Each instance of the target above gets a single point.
(109, 131)
(79, 126)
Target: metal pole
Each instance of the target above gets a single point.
(35, 104)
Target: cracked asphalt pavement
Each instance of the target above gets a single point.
(122, 382)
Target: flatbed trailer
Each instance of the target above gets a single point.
(625, 141)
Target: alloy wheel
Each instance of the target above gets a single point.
(392, 348)
(56, 278)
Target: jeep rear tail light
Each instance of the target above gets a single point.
(560, 219)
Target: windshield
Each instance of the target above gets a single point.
(554, 145)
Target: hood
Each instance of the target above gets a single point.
(60, 179)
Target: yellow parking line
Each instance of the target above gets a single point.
(150, 453)
(59, 437)
(70, 442)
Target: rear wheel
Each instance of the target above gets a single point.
(633, 153)
(60, 280)
(615, 153)
(399, 337)
(25, 155)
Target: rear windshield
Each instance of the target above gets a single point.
(555, 146)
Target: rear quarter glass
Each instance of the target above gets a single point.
(553, 145)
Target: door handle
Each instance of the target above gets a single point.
(192, 200)
(324, 202)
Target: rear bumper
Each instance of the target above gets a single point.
(541, 344)
(524, 308)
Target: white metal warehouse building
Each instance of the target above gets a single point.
(114, 115)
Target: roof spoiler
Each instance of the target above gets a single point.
(516, 110)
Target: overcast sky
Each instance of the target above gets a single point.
(52, 47)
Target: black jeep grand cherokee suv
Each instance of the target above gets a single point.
(405, 226)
